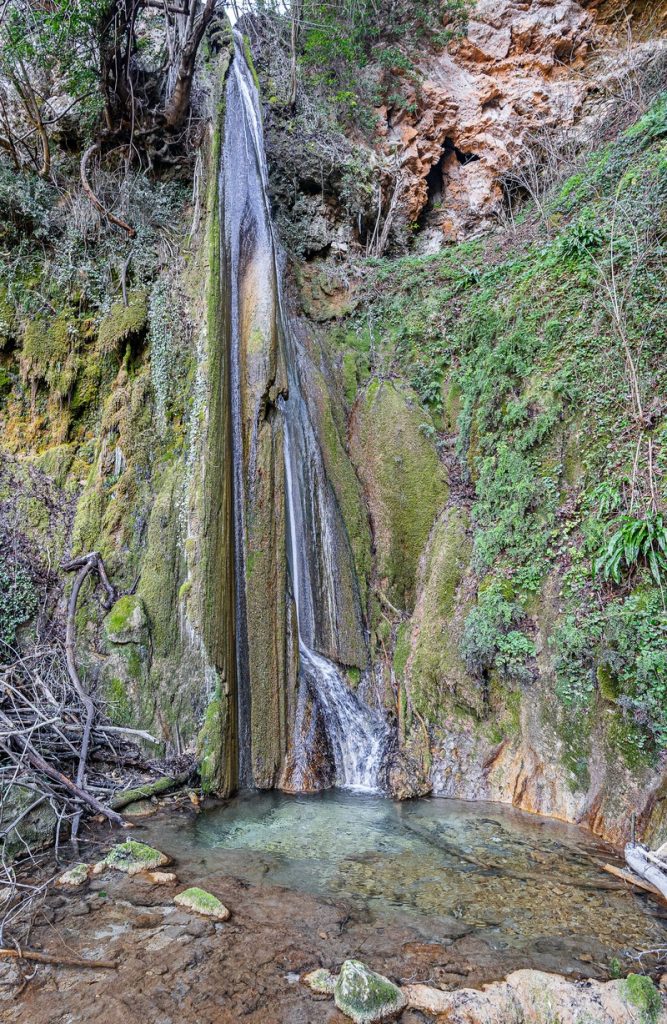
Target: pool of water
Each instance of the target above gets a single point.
(515, 880)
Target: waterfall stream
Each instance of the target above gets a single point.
(355, 733)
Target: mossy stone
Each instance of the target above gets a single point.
(640, 992)
(202, 902)
(365, 996)
(127, 621)
(321, 981)
(132, 857)
(123, 322)
(76, 875)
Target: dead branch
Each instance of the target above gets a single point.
(85, 565)
(88, 189)
(53, 958)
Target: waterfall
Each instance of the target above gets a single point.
(355, 733)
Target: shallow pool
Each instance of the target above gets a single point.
(518, 881)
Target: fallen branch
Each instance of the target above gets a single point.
(163, 785)
(61, 961)
(85, 565)
(40, 765)
(631, 879)
(99, 206)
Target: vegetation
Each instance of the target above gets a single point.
(542, 357)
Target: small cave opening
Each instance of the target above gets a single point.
(461, 157)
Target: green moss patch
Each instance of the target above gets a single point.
(202, 902)
(132, 857)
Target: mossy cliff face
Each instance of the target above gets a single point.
(519, 667)
(403, 480)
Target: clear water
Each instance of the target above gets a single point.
(515, 880)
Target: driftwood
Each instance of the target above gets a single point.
(631, 879)
(640, 860)
(54, 958)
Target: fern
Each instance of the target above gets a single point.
(635, 541)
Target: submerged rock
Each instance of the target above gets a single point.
(365, 996)
(133, 857)
(321, 981)
(76, 875)
(535, 996)
(203, 902)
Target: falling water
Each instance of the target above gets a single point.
(356, 734)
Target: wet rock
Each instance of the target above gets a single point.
(202, 902)
(76, 875)
(140, 809)
(531, 995)
(132, 857)
(162, 877)
(365, 996)
(321, 981)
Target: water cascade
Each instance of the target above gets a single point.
(298, 612)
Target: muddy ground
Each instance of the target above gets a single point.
(175, 967)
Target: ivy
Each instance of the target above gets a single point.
(18, 602)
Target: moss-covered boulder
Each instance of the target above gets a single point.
(132, 857)
(202, 902)
(365, 996)
(404, 481)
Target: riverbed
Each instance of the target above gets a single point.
(444, 892)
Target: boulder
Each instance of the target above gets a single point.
(132, 857)
(365, 996)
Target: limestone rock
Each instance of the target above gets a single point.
(321, 981)
(365, 996)
(76, 875)
(535, 996)
(133, 857)
(140, 809)
(202, 902)
(162, 877)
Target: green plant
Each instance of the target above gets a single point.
(491, 637)
(18, 602)
(635, 541)
(640, 992)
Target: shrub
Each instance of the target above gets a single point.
(491, 639)
(18, 602)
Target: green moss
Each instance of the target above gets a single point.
(119, 706)
(87, 520)
(641, 993)
(403, 480)
(162, 565)
(607, 682)
(126, 617)
(365, 996)
(122, 322)
(247, 50)
(402, 649)
(202, 902)
(133, 857)
(438, 674)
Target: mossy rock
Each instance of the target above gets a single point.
(321, 981)
(123, 322)
(127, 621)
(365, 996)
(640, 992)
(404, 482)
(74, 876)
(202, 902)
(132, 857)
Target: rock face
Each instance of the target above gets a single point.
(513, 76)
(365, 996)
(535, 996)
